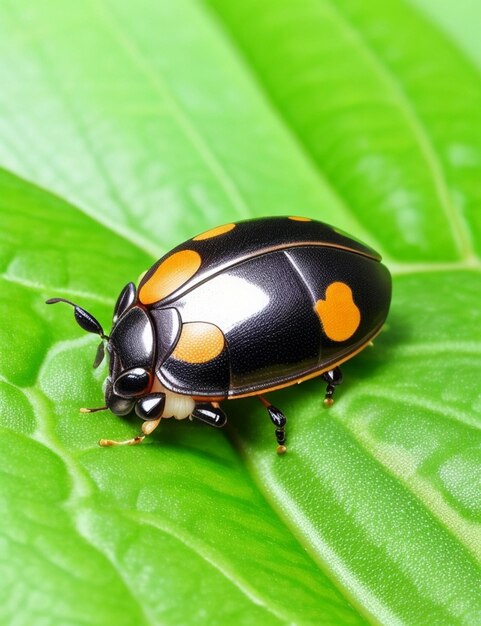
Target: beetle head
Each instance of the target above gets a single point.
(130, 348)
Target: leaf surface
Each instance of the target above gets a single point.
(125, 129)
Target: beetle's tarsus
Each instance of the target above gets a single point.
(147, 428)
(107, 443)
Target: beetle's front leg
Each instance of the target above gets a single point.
(210, 413)
(107, 443)
(150, 409)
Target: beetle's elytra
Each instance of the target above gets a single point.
(240, 310)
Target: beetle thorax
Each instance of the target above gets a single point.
(132, 340)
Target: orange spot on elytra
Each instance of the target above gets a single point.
(338, 313)
(176, 270)
(214, 232)
(199, 342)
(299, 219)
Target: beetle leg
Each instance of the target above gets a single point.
(279, 420)
(147, 427)
(150, 425)
(333, 378)
(105, 443)
(210, 413)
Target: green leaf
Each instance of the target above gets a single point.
(124, 130)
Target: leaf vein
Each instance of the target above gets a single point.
(420, 132)
(199, 550)
(453, 530)
(205, 152)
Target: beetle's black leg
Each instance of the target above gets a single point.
(279, 420)
(333, 378)
(149, 408)
(210, 413)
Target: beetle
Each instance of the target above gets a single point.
(240, 310)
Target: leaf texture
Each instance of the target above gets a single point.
(125, 129)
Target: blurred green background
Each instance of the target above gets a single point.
(126, 128)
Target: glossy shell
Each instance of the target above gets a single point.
(253, 306)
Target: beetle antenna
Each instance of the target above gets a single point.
(100, 408)
(84, 319)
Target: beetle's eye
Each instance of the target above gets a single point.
(124, 301)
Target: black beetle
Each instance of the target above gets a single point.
(240, 310)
